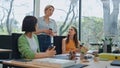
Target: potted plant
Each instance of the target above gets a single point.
(107, 44)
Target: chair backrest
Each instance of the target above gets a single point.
(57, 41)
(15, 53)
(5, 43)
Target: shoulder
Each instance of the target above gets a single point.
(40, 18)
(64, 39)
(34, 35)
(52, 20)
(22, 37)
(78, 42)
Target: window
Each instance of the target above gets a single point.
(12, 13)
(100, 18)
(66, 13)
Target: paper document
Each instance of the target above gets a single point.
(62, 62)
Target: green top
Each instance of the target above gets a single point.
(24, 47)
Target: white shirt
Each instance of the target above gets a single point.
(33, 44)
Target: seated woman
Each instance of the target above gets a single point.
(71, 42)
(28, 42)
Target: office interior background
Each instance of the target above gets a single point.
(94, 19)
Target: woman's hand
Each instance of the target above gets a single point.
(47, 31)
(51, 52)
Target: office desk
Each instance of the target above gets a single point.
(100, 64)
(30, 64)
(21, 64)
(33, 64)
(92, 64)
(5, 50)
(9, 51)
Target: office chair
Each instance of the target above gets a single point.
(57, 41)
(15, 53)
(5, 43)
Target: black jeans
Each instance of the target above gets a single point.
(44, 42)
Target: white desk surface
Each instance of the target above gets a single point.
(92, 64)
(100, 64)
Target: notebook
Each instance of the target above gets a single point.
(115, 63)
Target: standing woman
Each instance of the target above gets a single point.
(71, 42)
(47, 28)
(28, 42)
